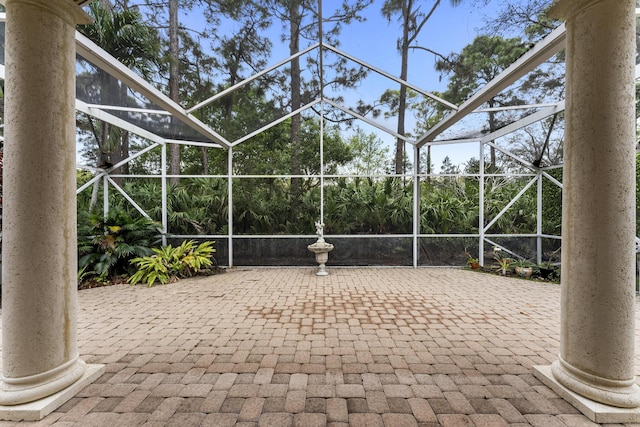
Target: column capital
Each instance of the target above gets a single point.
(564, 9)
(69, 10)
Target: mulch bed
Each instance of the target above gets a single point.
(122, 280)
(510, 273)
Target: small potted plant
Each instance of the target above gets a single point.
(548, 268)
(472, 262)
(504, 262)
(523, 268)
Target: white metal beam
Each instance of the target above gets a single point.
(549, 46)
(452, 141)
(192, 143)
(97, 56)
(369, 121)
(513, 156)
(128, 198)
(130, 109)
(87, 184)
(511, 203)
(513, 107)
(250, 79)
(525, 121)
(96, 112)
(133, 156)
(274, 123)
(392, 77)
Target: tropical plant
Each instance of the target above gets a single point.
(169, 264)
(105, 245)
(447, 208)
(504, 262)
(151, 269)
(198, 206)
(368, 206)
(523, 263)
(472, 261)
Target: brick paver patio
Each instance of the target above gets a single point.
(366, 347)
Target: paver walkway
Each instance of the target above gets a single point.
(370, 347)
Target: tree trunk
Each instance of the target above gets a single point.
(174, 149)
(94, 195)
(121, 148)
(124, 147)
(294, 47)
(428, 164)
(492, 128)
(125, 152)
(402, 102)
(205, 161)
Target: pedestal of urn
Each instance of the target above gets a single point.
(321, 249)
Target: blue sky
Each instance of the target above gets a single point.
(374, 41)
(449, 30)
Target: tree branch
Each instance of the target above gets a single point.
(439, 55)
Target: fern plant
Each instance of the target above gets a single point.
(168, 263)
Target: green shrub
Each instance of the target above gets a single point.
(169, 263)
(105, 245)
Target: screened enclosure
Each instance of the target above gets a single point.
(260, 212)
(255, 191)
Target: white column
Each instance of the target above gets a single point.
(597, 333)
(39, 349)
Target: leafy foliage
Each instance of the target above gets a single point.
(478, 63)
(270, 153)
(447, 208)
(369, 205)
(264, 206)
(552, 203)
(105, 245)
(169, 263)
(370, 156)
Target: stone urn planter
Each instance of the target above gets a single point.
(321, 249)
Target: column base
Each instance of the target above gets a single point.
(595, 411)
(18, 390)
(37, 410)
